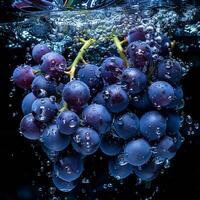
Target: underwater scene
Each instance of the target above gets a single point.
(100, 99)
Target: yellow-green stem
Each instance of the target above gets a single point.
(86, 45)
(63, 108)
(120, 50)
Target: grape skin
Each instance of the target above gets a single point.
(27, 103)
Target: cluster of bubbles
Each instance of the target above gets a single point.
(130, 110)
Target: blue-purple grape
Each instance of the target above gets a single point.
(110, 145)
(86, 141)
(68, 122)
(53, 139)
(134, 80)
(53, 64)
(136, 34)
(166, 148)
(161, 93)
(38, 51)
(139, 54)
(62, 185)
(111, 69)
(27, 103)
(69, 168)
(42, 87)
(44, 109)
(23, 76)
(153, 125)
(97, 117)
(116, 98)
(30, 128)
(170, 70)
(173, 122)
(76, 93)
(99, 99)
(137, 152)
(91, 76)
(127, 125)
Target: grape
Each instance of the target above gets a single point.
(119, 170)
(136, 35)
(99, 99)
(69, 168)
(68, 122)
(173, 122)
(112, 69)
(137, 152)
(44, 109)
(97, 117)
(139, 54)
(53, 64)
(134, 80)
(126, 126)
(38, 51)
(53, 139)
(62, 185)
(147, 172)
(42, 87)
(170, 70)
(30, 128)
(52, 155)
(161, 93)
(27, 103)
(152, 125)
(76, 93)
(141, 102)
(116, 98)
(177, 101)
(23, 76)
(110, 145)
(36, 68)
(166, 148)
(90, 75)
(86, 141)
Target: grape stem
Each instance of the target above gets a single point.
(120, 49)
(86, 45)
(63, 108)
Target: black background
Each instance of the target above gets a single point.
(19, 165)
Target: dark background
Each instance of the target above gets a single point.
(20, 164)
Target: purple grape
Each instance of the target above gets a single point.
(91, 76)
(119, 170)
(152, 125)
(161, 93)
(38, 51)
(62, 185)
(112, 69)
(116, 98)
(69, 168)
(141, 102)
(97, 117)
(147, 172)
(137, 152)
(127, 125)
(86, 141)
(68, 122)
(53, 64)
(44, 109)
(110, 145)
(173, 122)
(53, 139)
(30, 128)
(76, 93)
(136, 34)
(139, 54)
(99, 99)
(134, 80)
(166, 148)
(23, 76)
(170, 70)
(42, 87)
(27, 103)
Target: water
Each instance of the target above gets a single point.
(61, 28)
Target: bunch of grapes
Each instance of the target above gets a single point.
(128, 109)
